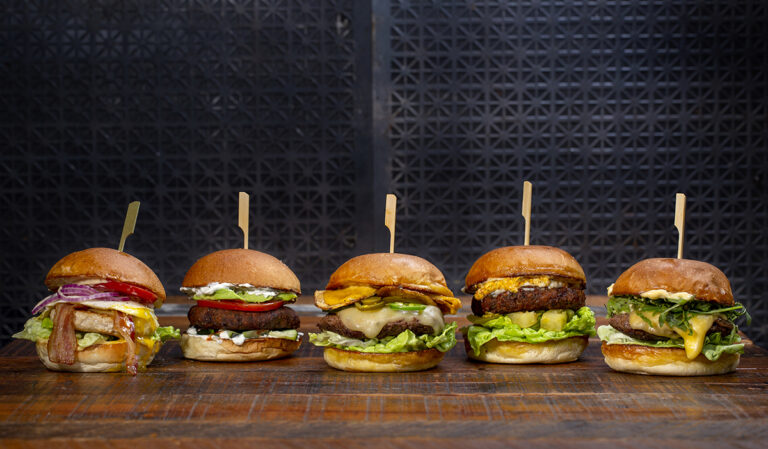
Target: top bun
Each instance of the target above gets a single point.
(390, 269)
(511, 261)
(704, 281)
(104, 263)
(242, 266)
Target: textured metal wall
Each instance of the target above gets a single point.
(608, 107)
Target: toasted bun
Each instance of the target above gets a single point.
(242, 266)
(390, 269)
(103, 358)
(514, 352)
(104, 263)
(702, 280)
(218, 350)
(397, 362)
(513, 261)
(665, 361)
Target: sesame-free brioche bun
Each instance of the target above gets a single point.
(664, 361)
(99, 358)
(397, 362)
(104, 263)
(514, 352)
(198, 347)
(242, 266)
(390, 269)
(511, 261)
(704, 281)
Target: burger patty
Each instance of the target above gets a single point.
(236, 320)
(333, 323)
(620, 322)
(530, 299)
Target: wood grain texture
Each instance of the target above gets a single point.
(300, 401)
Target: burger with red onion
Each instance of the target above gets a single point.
(240, 312)
(100, 317)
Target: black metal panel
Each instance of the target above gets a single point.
(181, 104)
(609, 108)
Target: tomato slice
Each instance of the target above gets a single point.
(243, 306)
(144, 295)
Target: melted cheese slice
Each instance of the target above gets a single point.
(512, 284)
(370, 322)
(693, 342)
(329, 298)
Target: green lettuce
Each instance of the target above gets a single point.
(88, 339)
(502, 328)
(287, 334)
(165, 333)
(405, 341)
(228, 293)
(36, 328)
(715, 345)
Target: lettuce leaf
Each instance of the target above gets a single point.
(405, 341)
(165, 333)
(88, 339)
(715, 345)
(36, 328)
(502, 328)
(228, 293)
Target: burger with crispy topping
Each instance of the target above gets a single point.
(240, 312)
(529, 306)
(385, 314)
(672, 317)
(100, 317)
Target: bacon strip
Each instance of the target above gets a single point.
(124, 326)
(62, 342)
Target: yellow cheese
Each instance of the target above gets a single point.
(693, 341)
(512, 284)
(344, 295)
(370, 322)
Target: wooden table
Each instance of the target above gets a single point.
(300, 402)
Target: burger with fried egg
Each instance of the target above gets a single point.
(672, 317)
(240, 312)
(100, 317)
(385, 314)
(529, 307)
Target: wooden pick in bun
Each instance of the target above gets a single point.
(240, 314)
(672, 317)
(100, 317)
(528, 306)
(376, 300)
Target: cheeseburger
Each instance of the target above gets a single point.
(100, 317)
(385, 314)
(672, 317)
(239, 313)
(528, 306)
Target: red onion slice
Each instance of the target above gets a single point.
(78, 293)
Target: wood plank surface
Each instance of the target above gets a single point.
(300, 402)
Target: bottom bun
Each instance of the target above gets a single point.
(555, 351)
(370, 362)
(208, 349)
(100, 358)
(665, 361)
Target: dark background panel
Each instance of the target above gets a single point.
(181, 105)
(609, 108)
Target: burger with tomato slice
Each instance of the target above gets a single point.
(100, 317)
(240, 312)
(385, 314)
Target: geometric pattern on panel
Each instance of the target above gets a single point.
(179, 105)
(609, 108)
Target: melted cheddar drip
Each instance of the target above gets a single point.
(512, 284)
(693, 341)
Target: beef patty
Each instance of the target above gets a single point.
(236, 320)
(333, 323)
(620, 322)
(529, 299)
